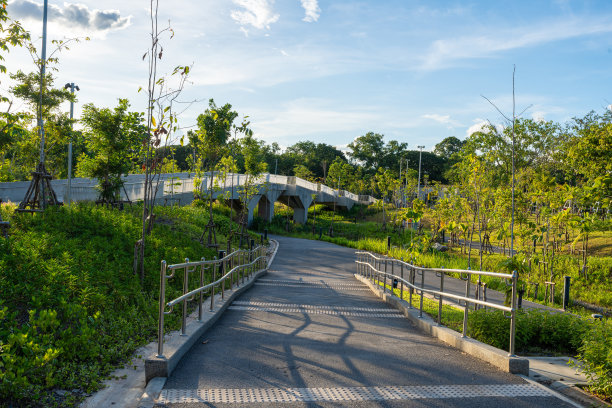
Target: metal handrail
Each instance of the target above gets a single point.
(194, 292)
(365, 267)
(242, 262)
(469, 271)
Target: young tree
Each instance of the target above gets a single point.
(253, 152)
(113, 139)
(161, 121)
(210, 141)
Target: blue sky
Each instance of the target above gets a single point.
(330, 71)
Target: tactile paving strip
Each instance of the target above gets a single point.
(322, 307)
(315, 286)
(254, 395)
(303, 282)
(315, 311)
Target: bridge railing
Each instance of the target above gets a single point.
(379, 268)
(233, 268)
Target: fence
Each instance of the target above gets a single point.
(240, 265)
(375, 267)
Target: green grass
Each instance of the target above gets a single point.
(71, 308)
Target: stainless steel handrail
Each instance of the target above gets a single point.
(366, 266)
(242, 261)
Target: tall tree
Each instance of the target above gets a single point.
(369, 150)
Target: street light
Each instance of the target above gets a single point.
(72, 87)
(419, 183)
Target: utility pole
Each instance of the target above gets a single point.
(400, 179)
(419, 181)
(72, 87)
(43, 62)
(406, 183)
(40, 194)
(276, 166)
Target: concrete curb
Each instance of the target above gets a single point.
(152, 391)
(490, 354)
(551, 391)
(177, 345)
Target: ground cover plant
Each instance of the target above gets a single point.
(71, 308)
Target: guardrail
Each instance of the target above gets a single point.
(240, 265)
(375, 267)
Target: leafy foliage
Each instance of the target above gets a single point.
(113, 139)
(59, 273)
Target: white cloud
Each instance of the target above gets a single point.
(610, 108)
(444, 119)
(538, 116)
(305, 117)
(478, 125)
(73, 14)
(444, 52)
(311, 9)
(256, 13)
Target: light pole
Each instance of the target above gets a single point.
(400, 182)
(419, 181)
(72, 87)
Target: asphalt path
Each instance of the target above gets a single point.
(308, 334)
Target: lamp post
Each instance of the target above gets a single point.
(419, 181)
(72, 87)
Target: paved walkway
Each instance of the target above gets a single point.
(309, 335)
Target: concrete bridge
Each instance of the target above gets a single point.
(292, 191)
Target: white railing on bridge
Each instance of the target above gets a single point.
(170, 184)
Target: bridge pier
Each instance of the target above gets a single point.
(300, 204)
(266, 204)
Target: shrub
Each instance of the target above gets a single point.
(536, 330)
(595, 354)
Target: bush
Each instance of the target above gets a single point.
(595, 354)
(537, 330)
(59, 273)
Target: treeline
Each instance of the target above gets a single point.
(111, 143)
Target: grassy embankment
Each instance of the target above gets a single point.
(71, 309)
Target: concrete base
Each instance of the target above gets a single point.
(490, 354)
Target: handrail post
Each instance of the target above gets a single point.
(221, 272)
(185, 290)
(411, 289)
(162, 303)
(402, 282)
(385, 277)
(201, 300)
(441, 297)
(228, 267)
(251, 254)
(513, 312)
(392, 278)
(422, 293)
(467, 306)
(212, 290)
